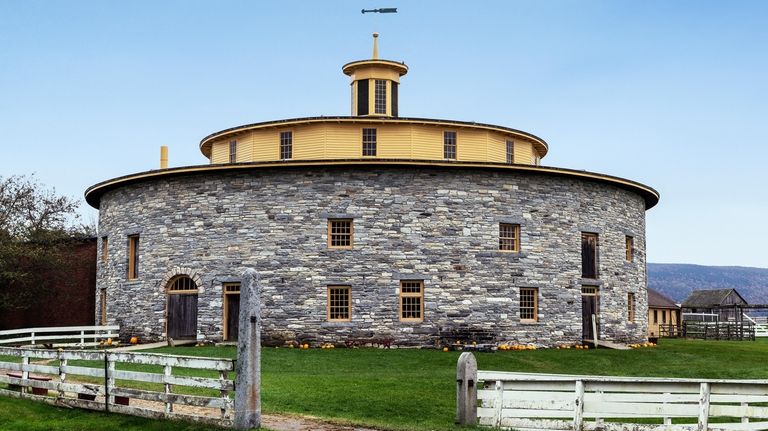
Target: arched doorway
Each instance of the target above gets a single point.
(182, 308)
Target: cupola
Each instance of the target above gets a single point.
(374, 84)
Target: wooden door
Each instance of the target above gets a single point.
(182, 316)
(233, 316)
(588, 309)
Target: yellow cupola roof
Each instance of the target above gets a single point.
(375, 84)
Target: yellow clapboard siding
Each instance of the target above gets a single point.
(497, 148)
(523, 152)
(266, 144)
(343, 142)
(309, 142)
(471, 145)
(245, 147)
(220, 152)
(427, 142)
(393, 141)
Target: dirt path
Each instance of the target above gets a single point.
(303, 423)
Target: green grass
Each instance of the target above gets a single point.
(414, 389)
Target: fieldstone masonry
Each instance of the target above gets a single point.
(439, 225)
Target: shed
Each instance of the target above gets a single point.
(726, 303)
(662, 313)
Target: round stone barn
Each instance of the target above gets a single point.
(375, 229)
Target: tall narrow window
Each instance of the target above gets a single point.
(380, 100)
(509, 237)
(103, 306)
(630, 247)
(655, 316)
(340, 233)
(232, 151)
(664, 317)
(133, 257)
(529, 304)
(369, 142)
(631, 307)
(449, 145)
(412, 301)
(510, 152)
(589, 255)
(104, 248)
(339, 303)
(286, 145)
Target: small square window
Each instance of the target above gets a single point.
(449, 145)
(339, 303)
(340, 232)
(529, 304)
(412, 301)
(509, 237)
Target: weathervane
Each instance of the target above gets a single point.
(380, 10)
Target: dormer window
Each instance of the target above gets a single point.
(232, 151)
(369, 142)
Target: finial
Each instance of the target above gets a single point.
(375, 46)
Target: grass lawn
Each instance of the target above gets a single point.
(414, 389)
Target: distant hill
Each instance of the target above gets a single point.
(678, 280)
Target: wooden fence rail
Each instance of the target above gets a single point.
(528, 402)
(106, 386)
(59, 336)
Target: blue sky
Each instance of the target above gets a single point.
(673, 94)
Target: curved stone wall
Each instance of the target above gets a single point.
(435, 224)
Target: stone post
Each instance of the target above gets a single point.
(466, 389)
(248, 382)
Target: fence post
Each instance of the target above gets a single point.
(33, 337)
(62, 374)
(167, 372)
(82, 338)
(466, 389)
(704, 407)
(109, 379)
(248, 383)
(498, 404)
(578, 407)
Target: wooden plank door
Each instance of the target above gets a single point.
(233, 316)
(182, 316)
(588, 308)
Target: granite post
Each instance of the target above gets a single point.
(248, 382)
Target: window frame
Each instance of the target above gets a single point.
(533, 308)
(330, 306)
(515, 238)
(419, 295)
(284, 147)
(104, 248)
(133, 257)
(233, 151)
(510, 152)
(368, 144)
(655, 316)
(629, 244)
(380, 96)
(450, 148)
(631, 307)
(351, 233)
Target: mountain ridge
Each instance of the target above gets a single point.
(677, 280)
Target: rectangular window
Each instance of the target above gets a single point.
(286, 145)
(631, 307)
(529, 304)
(589, 255)
(510, 152)
(630, 247)
(509, 237)
(412, 301)
(369, 142)
(232, 151)
(103, 306)
(380, 98)
(655, 316)
(104, 248)
(664, 317)
(133, 257)
(340, 233)
(449, 145)
(339, 303)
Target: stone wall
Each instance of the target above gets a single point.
(433, 224)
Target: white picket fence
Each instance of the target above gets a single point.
(528, 402)
(81, 336)
(107, 388)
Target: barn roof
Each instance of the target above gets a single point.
(708, 298)
(657, 299)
